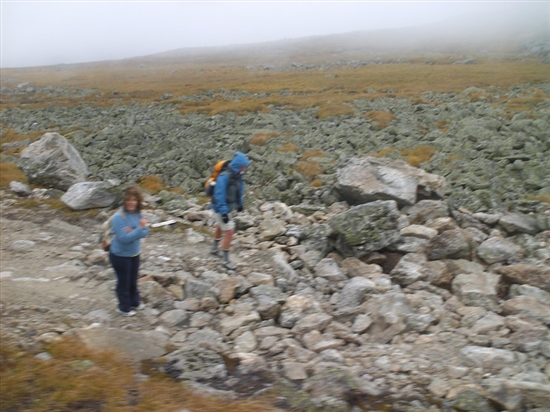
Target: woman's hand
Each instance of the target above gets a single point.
(143, 222)
(128, 229)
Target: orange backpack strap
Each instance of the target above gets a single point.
(218, 168)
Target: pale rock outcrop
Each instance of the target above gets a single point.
(52, 161)
(368, 179)
(89, 195)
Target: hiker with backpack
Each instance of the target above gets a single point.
(129, 227)
(228, 196)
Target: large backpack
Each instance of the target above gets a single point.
(211, 182)
(107, 234)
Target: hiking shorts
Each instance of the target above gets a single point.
(224, 226)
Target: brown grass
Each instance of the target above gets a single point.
(306, 89)
(153, 184)
(12, 136)
(336, 108)
(477, 96)
(317, 183)
(308, 169)
(414, 156)
(442, 125)
(308, 154)
(418, 155)
(380, 119)
(288, 148)
(384, 152)
(521, 104)
(78, 378)
(216, 106)
(10, 172)
(261, 139)
(542, 198)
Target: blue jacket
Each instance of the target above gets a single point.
(127, 244)
(220, 203)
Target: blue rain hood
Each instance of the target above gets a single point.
(239, 160)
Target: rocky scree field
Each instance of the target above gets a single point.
(482, 125)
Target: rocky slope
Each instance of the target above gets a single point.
(492, 161)
(422, 307)
(346, 298)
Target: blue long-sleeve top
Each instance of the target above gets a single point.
(124, 243)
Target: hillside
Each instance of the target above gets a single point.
(442, 303)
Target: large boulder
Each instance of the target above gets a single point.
(89, 195)
(367, 179)
(366, 228)
(52, 161)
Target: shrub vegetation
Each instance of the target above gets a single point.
(308, 169)
(293, 89)
(152, 183)
(78, 378)
(308, 154)
(261, 139)
(10, 172)
(288, 148)
(418, 155)
(380, 119)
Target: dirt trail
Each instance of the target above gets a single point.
(45, 288)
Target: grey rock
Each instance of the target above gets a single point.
(489, 359)
(528, 306)
(518, 223)
(89, 195)
(52, 161)
(410, 269)
(534, 275)
(20, 189)
(366, 228)
(477, 290)
(368, 179)
(354, 291)
(137, 346)
(451, 244)
(495, 250)
(196, 364)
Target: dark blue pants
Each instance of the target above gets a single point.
(126, 269)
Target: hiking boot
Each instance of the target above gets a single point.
(141, 306)
(216, 252)
(230, 265)
(128, 314)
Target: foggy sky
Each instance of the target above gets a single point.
(37, 33)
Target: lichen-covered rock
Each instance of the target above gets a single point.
(195, 364)
(366, 228)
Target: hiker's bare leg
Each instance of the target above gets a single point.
(226, 241)
(217, 232)
(217, 238)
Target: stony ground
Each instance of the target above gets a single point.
(41, 291)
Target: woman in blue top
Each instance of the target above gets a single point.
(129, 227)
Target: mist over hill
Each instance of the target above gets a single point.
(465, 34)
